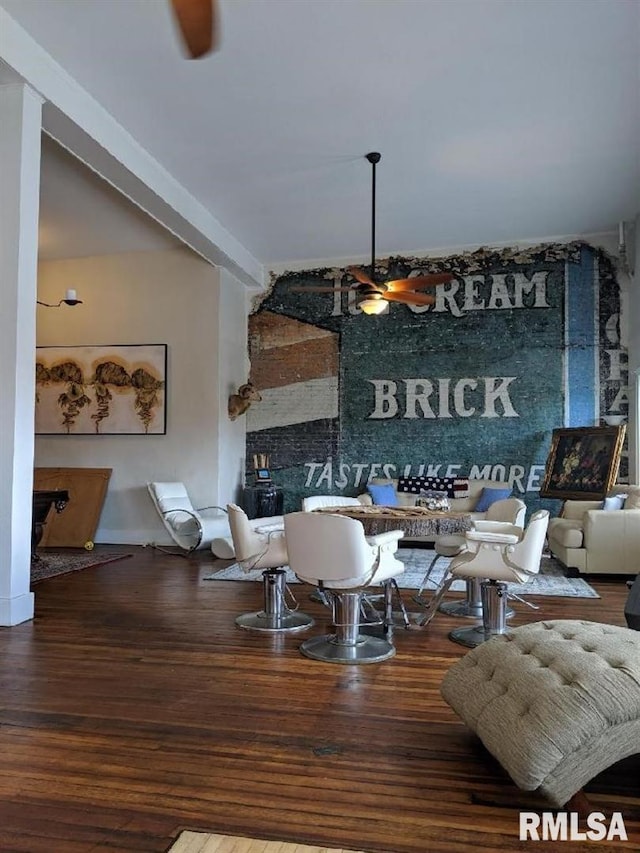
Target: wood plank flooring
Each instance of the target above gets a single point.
(132, 708)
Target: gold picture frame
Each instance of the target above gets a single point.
(583, 462)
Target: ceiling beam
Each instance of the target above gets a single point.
(81, 125)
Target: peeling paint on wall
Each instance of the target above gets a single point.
(520, 342)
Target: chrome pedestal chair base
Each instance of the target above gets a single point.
(320, 595)
(276, 618)
(392, 618)
(366, 649)
(469, 637)
(349, 644)
(261, 621)
(444, 546)
(471, 606)
(494, 619)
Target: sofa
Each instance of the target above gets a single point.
(463, 504)
(460, 504)
(591, 539)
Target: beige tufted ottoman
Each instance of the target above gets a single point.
(554, 702)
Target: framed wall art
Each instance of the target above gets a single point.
(101, 390)
(583, 462)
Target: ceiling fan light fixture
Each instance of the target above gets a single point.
(373, 305)
(372, 296)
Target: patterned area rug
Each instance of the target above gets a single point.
(49, 565)
(552, 579)
(205, 842)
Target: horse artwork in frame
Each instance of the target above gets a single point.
(583, 462)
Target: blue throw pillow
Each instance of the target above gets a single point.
(614, 502)
(383, 494)
(490, 496)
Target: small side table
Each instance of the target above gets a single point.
(262, 500)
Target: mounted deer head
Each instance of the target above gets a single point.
(240, 402)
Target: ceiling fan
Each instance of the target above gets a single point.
(374, 296)
(198, 24)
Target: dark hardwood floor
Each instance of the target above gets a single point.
(133, 707)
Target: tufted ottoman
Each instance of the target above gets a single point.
(554, 702)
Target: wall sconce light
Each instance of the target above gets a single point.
(70, 298)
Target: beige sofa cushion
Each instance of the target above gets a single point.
(567, 532)
(576, 509)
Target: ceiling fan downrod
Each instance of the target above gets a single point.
(373, 157)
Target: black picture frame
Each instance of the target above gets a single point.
(101, 390)
(583, 462)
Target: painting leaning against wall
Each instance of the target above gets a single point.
(101, 390)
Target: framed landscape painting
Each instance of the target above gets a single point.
(101, 390)
(583, 462)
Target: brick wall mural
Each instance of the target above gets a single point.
(520, 342)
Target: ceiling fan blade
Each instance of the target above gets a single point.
(410, 298)
(360, 276)
(419, 282)
(197, 20)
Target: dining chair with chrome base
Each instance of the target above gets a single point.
(312, 503)
(499, 558)
(509, 511)
(263, 546)
(334, 550)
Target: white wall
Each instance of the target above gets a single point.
(233, 358)
(171, 297)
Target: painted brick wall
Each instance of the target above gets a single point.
(520, 342)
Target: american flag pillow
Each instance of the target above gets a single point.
(453, 487)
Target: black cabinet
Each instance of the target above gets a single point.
(42, 502)
(262, 500)
(632, 607)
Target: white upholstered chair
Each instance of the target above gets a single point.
(260, 544)
(314, 502)
(190, 528)
(500, 555)
(334, 551)
(509, 511)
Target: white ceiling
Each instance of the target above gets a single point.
(498, 120)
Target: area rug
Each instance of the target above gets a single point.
(205, 842)
(552, 579)
(50, 565)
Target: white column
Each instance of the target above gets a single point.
(20, 129)
(233, 370)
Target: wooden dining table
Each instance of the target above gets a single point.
(412, 520)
